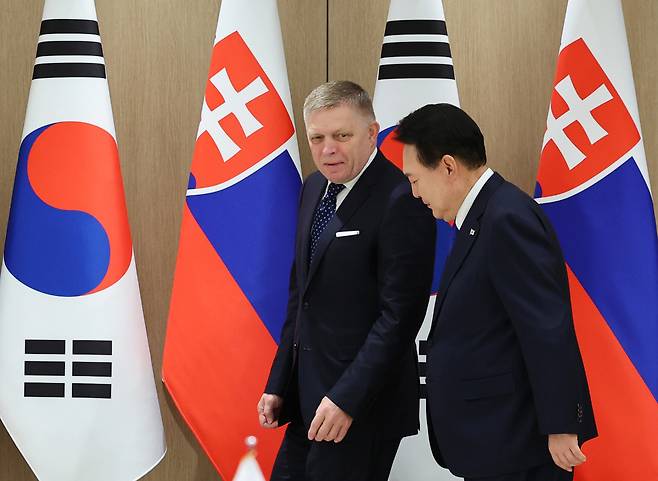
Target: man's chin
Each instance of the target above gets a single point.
(439, 215)
(336, 177)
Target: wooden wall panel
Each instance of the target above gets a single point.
(356, 30)
(642, 30)
(505, 61)
(157, 54)
(19, 28)
(304, 26)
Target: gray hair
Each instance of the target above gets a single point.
(339, 92)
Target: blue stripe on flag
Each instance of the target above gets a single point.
(445, 238)
(383, 134)
(608, 234)
(251, 226)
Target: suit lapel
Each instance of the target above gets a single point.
(314, 195)
(355, 198)
(464, 242)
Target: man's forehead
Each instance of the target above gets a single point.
(409, 152)
(410, 164)
(340, 113)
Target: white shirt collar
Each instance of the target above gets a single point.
(470, 197)
(351, 183)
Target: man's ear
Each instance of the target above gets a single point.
(373, 131)
(449, 163)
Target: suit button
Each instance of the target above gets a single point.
(305, 306)
(294, 346)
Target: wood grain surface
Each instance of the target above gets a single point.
(157, 55)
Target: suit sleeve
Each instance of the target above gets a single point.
(528, 272)
(284, 358)
(405, 261)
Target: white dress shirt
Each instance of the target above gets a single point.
(470, 197)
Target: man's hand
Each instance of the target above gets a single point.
(269, 408)
(330, 422)
(565, 451)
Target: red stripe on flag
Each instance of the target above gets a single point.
(217, 356)
(625, 411)
(392, 149)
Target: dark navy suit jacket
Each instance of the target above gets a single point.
(503, 365)
(354, 312)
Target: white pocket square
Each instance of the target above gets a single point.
(347, 233)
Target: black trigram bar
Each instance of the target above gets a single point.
(423, 391)
(95, 391)
(101, 348)
(44, 368)
(416, 49)
(46, 49)
(69, 26)
(44, 346)
(422, 348)
(56, 70)
(422, 369)
(99, 369)
(416, 27)
(416, 70)
(43, 389)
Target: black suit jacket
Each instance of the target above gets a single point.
(353, 314)
(503, 366)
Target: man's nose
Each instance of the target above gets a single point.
(329, 147)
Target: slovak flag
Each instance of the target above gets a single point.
(415, 69)
(78, 395)
(236, 244)
(594, 186)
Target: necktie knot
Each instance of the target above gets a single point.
(334, 190)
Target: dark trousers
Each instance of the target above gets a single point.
(545, 472)
(360, 456)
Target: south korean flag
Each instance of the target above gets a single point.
(415, 69)
(78, 395)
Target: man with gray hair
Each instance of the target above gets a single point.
(345, 374)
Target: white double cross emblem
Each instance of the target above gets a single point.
(580, 110)
(234, 103)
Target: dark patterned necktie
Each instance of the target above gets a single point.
(323, 215)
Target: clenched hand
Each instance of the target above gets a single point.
(269, 408)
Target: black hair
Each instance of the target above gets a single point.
(443, 129)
